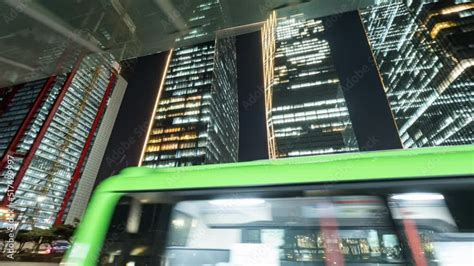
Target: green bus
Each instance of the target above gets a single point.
(397, 207)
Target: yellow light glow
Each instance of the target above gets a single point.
(449, 10)
(154, 140)
(153, 148)
(268, 51)
(441, 26)
(152, 116)
(174, 129)
(456, 8)
(138, 251)
(171, 146)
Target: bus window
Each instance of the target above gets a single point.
(437, 226)
(284, 231)
(137, 232)
(254, 231)
(396, 228)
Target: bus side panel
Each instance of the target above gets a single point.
(91, 233)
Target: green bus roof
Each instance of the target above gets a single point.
(384, 165)
(424, 162)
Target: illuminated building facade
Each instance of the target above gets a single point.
(425, 56)
(305, 106)
(195, 120)
(202, 22)
(48, 130)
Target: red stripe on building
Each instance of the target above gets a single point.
(78, 170)
(11, 149)
(36, 143)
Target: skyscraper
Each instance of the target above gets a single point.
(48, 129)
(422, 49)
(195, 118)
(305, 106)
(449, 22)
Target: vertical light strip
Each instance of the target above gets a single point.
(152, 116)
(268, 53)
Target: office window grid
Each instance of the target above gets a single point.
(306, 111)
(195, 120)
(45, 182)
(428, 83)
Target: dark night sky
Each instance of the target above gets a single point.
(144, 75)
(253, 138)
(363, 89)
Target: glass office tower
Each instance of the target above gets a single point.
(196, 118)
(47, 131)
(305, 106)
(422, 49)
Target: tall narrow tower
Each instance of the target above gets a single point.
(305, 106)
(195, 118)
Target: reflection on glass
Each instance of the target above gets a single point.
(288, 231)
(425, 219)
(395, 229)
